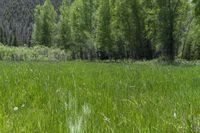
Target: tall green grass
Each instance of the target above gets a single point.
(77, 97)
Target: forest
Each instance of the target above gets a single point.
(100, 66)
(116, 29)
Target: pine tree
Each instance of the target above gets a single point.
(1, 34)
(14, 40)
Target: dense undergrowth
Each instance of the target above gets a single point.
(36, 53)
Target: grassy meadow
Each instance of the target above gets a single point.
(89, 97)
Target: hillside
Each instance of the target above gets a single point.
(16, 19)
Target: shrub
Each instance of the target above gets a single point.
(36, 53)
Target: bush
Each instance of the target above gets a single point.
(36, 53)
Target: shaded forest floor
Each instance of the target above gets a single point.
(99, 97)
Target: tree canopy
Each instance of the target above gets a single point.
(118, 29)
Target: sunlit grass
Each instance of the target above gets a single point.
(78, 97)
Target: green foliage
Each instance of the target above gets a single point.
(168, 13)
(118, 29)
(64, 26)
(121, 25)
(44, 26)
(192, 50)
(103, 30)
(197, 7)
(111, 29)
(36, 53)
(82, 27)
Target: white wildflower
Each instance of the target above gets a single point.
(106, 119)
(86, 109)
(175, 115)
(15, 108)
(77, 126)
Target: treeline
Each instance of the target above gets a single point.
(118, 29)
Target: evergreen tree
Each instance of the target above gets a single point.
(14, 39)
(1, 35)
